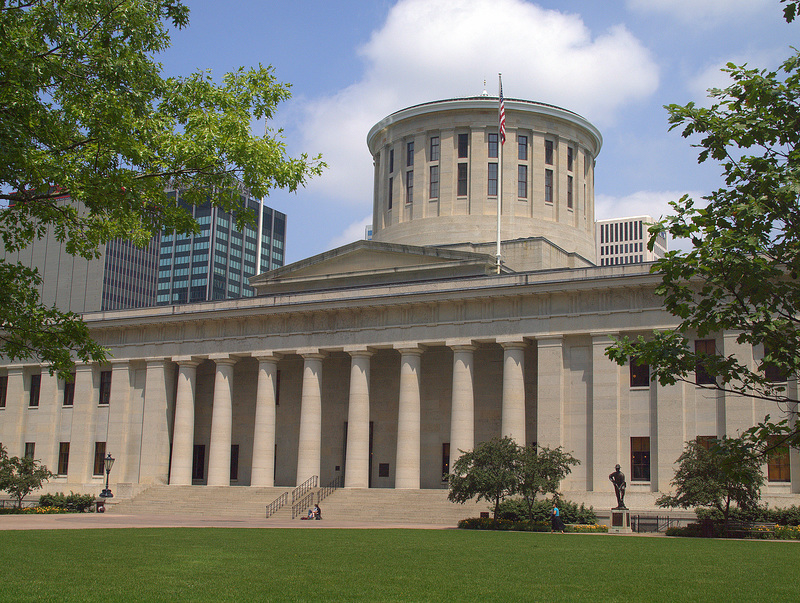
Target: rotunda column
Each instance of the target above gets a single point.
(263, 473)
(408, 420)
(219, 453)
(357, 455)
(513, 411)
(310, 440)
(183, 428)
(462, 413)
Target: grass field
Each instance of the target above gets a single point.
(215, 564)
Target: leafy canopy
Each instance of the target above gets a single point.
(499, 468)
(727, 472)
(86, 112)
(741, 273)
(21, 476)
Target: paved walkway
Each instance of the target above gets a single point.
(80, 521)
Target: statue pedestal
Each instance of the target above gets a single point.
(620, 521)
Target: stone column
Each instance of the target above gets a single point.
(154, 466)
(462, 413)
(408, 421)
(81, 440)
(606, 449)
(357, 468)
(736, 413)
(263, 473)
(219, 450)
(50, 399)
(550, 392)
(513, 412)
(310, 444)
(120, 418)
(183, 429)
(16, 402)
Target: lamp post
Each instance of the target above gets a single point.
(109, 461)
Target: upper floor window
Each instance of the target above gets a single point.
(492, 180)
(774, 372)
(522, 181)
(640, 373)
(434, 182)
(36, 385)
(777, 460)
(548, 152)
(703, 347)
(409, 153)
(548, 186)
(409, 186)
(522, 148)
(3, 390)
(69, 391)
(462, 180)
(569, 192)
(434, 148)
(105, 387)
(463, 146)
(493, 145)
(391, 160)
(569, 159)
(391, 190)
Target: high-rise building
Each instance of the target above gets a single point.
(217, 263)
(624, 241)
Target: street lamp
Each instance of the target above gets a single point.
(109, 461)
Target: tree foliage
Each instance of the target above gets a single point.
(488, 472)
(540, 471)
(21, 476)
(499, 468)
(86, 112)
(727, 472)
(741, 272)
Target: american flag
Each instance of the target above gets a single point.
(502, 114)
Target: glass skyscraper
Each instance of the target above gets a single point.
(217, 263)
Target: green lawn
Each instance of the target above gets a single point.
(215, 564)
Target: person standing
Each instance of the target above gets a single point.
(556, 525)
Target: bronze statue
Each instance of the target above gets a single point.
(618, 479)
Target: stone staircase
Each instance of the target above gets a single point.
(363, 505)
(216, 501)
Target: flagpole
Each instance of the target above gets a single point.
(501, 138)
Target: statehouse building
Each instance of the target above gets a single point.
(380, 360)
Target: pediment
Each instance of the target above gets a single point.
(371, 263)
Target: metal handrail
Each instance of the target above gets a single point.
(277, 503)
(307, 485)
(306, 501)
(336, 482)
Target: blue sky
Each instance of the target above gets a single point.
(352, 62)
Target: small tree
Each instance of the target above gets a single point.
(729, 471)
(540, 471)
(488, 472)
(21, 476)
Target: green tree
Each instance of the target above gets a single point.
(86, 111)
(727, 472)
(540, 471)
(741, 272)
(488, 472)
(21, 476)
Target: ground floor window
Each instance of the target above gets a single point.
(99, 458)
(63, 458)
(777, 461)
(445, 461)
(198, 461)
(234, 461)
(29, 448)
(640, 459)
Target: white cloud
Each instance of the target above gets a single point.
(434, 49)
(354, 232)
(712, 75)
(697, 11)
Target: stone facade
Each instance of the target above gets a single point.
(379, 361)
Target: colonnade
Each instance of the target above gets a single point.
(407, 474)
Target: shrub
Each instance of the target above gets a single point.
(73, 503)
(515, 509)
